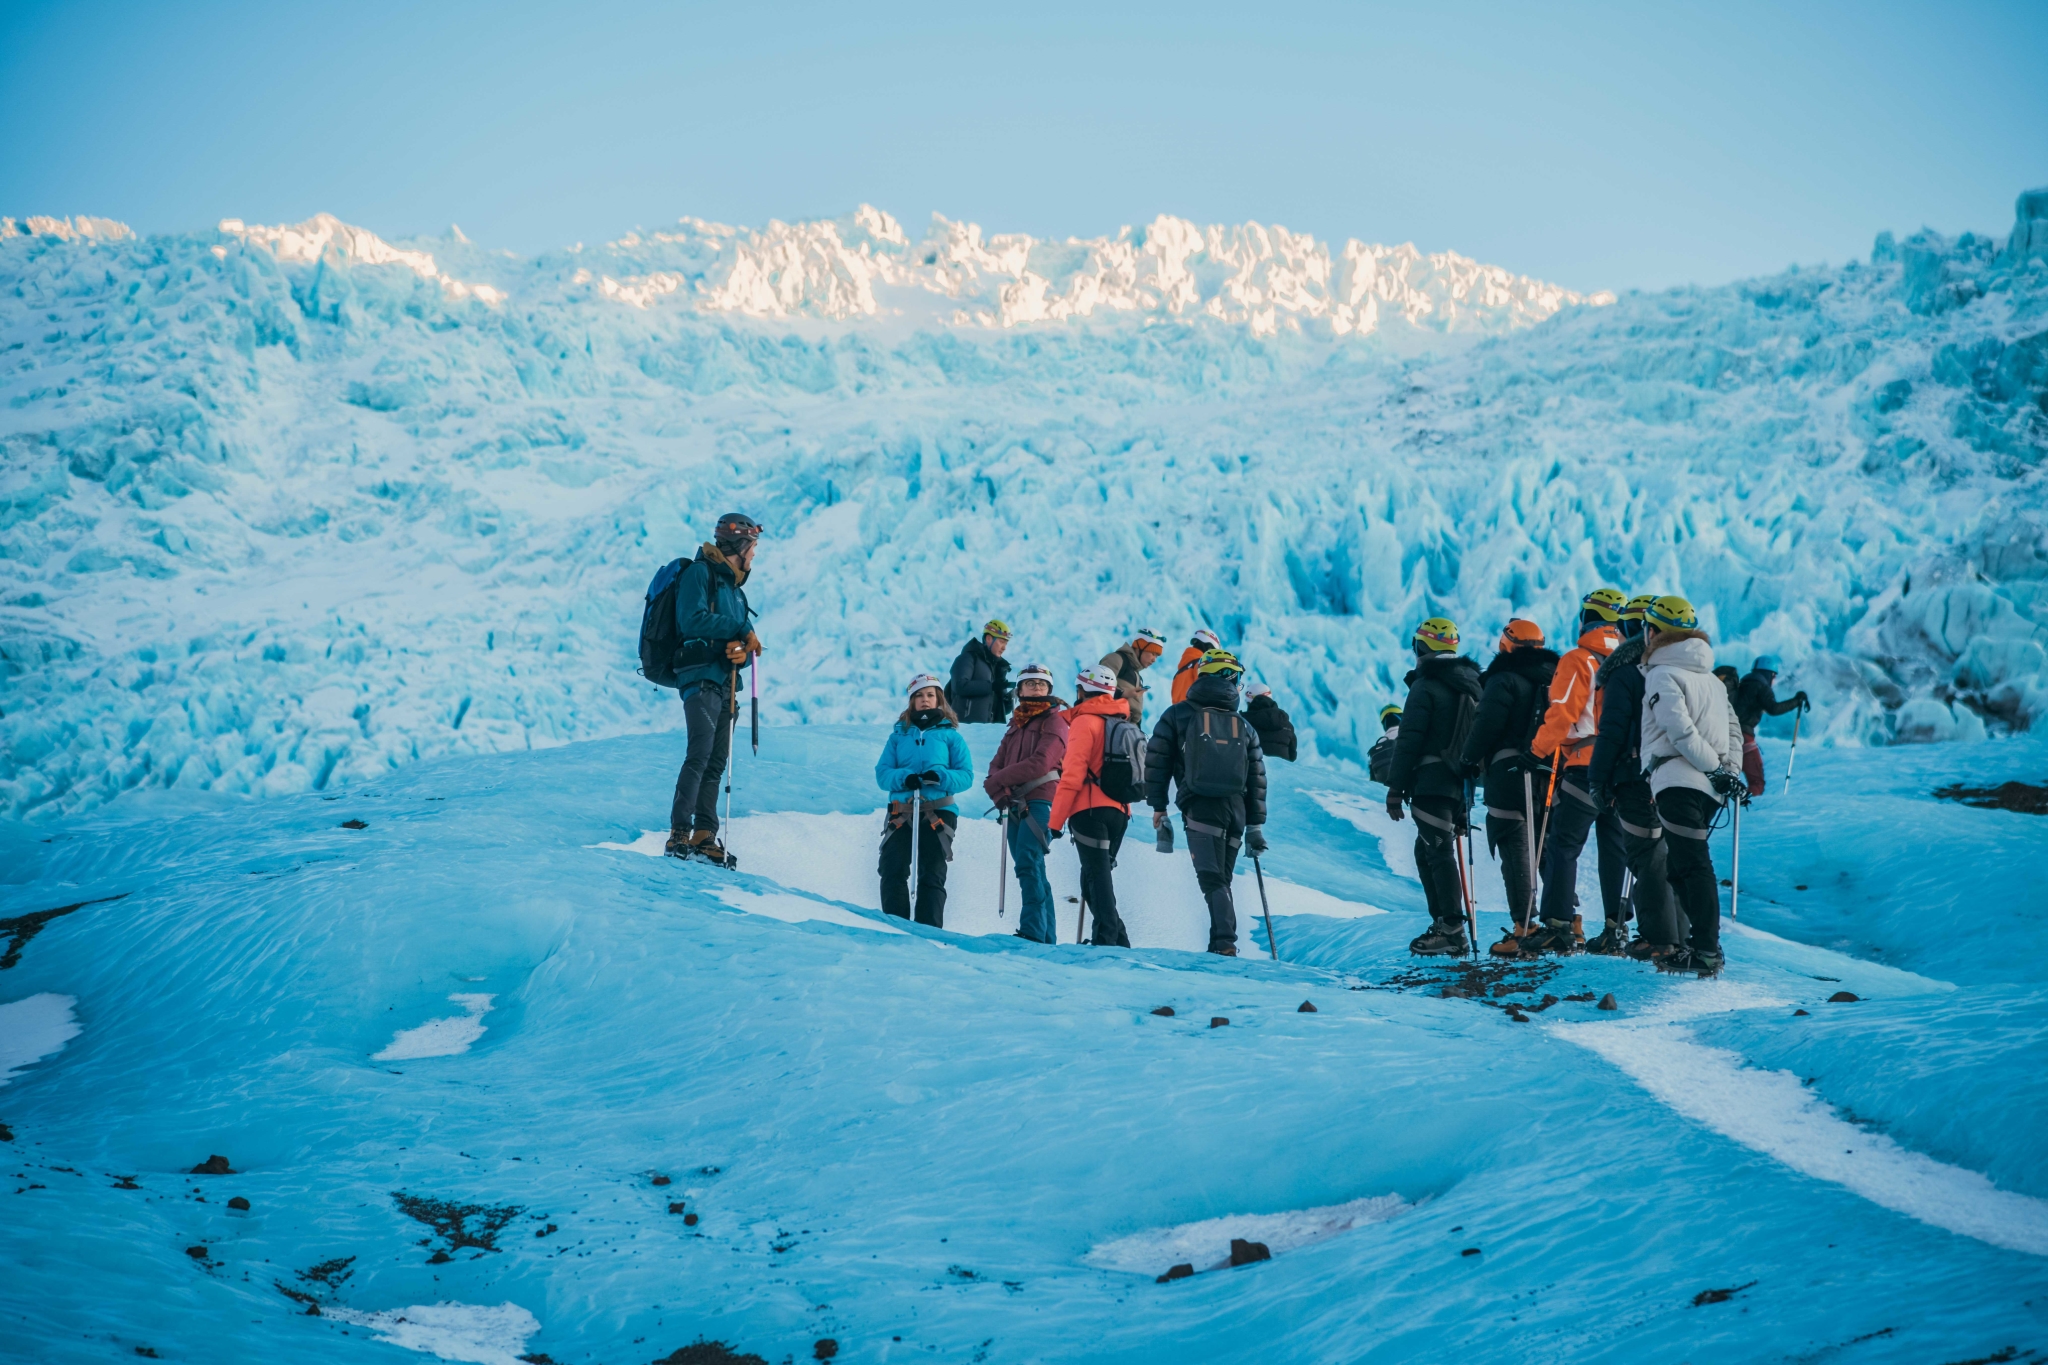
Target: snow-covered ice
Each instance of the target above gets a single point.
(1206, 1244)
(33, 1029)
(486, 1335)
(449, 1036)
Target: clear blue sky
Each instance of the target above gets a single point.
(1624, 145)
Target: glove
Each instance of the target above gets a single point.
(753, 643)
(1255, 839)
(736, 651)
(1159, 819)
(931, 777)
(1804, 704)
(1055, 834)
(1726, 783)
(1603, 796)
(1394, 805)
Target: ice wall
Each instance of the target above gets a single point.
(281, 508)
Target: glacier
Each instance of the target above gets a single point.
(285, 509)
(688, 1106)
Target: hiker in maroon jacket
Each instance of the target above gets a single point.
(1020, 783)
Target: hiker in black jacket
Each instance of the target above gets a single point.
(1212, 757)
(1616, 776)
(1516, 692)
(1429, 780)
(980, 687)
(1276, 731)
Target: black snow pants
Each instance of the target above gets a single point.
(1215, 828)
(1570, 821)
(1642, 842)
(708, 713)
(1513, 815)
(1098, 833)
(1438, 825)
(934, 850)
(1688, 815)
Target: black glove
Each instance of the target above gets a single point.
(1053, 834)
(1804, 704)
(1727, 784)
(1255, 839)
(1603, 796)
(931, 777)
(1394, 805)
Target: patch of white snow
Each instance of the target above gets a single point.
(445, 1037)
(33, 1029)
(451, 1331)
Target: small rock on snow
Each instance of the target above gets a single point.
(1607, 1002)
(353, 824)
(197, 1253)
(239, 1203)
(1218, 1021)
(1797, 1013)
(1306, 1007)
(1244, 1253)
(1469, 1251)
(213, 1165)
(676, 1207)
(1178, 1272)
(1164, 1011)
(660, 1180)
(1844, 998)
(824, 1349)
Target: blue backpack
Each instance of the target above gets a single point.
(662, 655)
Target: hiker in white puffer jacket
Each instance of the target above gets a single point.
(1692, 746)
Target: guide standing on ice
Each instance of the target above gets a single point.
(713, 642)
(924, 765)
(1019, 785)
(1191, 662)
(1211, 756)
(1093, 798)
(1756, 696)
(980, 686)
(1276, 731)
(1443, 685)
(1693, 743)
(1616, 780)
(1128, 663)
(1566, 740)
(1515, 693)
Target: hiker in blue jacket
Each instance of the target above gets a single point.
(715, 641)
(924, 765)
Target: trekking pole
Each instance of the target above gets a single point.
(1272, 944)
(916, 847)
(732, 720)
(1550, 804)
(1080, 919)
(1465, 890)
(1002, 849)
(1797, 716)
(754, 698)
(1735, 877)
(1528, 853)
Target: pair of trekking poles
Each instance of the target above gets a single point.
(732, 725)
(1003, 820)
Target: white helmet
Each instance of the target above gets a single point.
(1096, 679)
(1207, 639)
(1257, 690)
(922, 681)
(1038, 671)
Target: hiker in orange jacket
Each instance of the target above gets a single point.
(1191, 662)
(1570, 725)
(1098, 819)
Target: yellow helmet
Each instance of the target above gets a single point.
(1438, 635)
(1219, 661)
(999, 629)
(1637, 605)
(1605, 603)
(1672, 613)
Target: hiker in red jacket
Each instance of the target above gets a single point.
(1020, 784)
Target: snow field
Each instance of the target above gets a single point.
(833, 1101)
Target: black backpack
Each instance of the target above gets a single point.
(1123, 761)
(1462, 721)
(1216, 757)
(658, 626)
(662, 654)
(1379, 760)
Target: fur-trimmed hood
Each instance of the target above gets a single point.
(1628, 653)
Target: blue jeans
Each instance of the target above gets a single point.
(1028, 841)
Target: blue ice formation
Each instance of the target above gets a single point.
(284, 510)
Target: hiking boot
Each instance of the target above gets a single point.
(1554, 937)
(1224, 949)
(1610, 942)
(704, 844)
(1646, 950)
(1510, 944)
(1444, 939)
(678, 845)
(1688, 960)
(1707, 961)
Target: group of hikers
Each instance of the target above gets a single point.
(1631, 736)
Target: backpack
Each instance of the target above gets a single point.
(658, 626)
(1122, 777)
(1379, 760)
(1462, 721)
(1216, 758)
(661, 653)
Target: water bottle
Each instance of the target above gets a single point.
(1165, 843)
